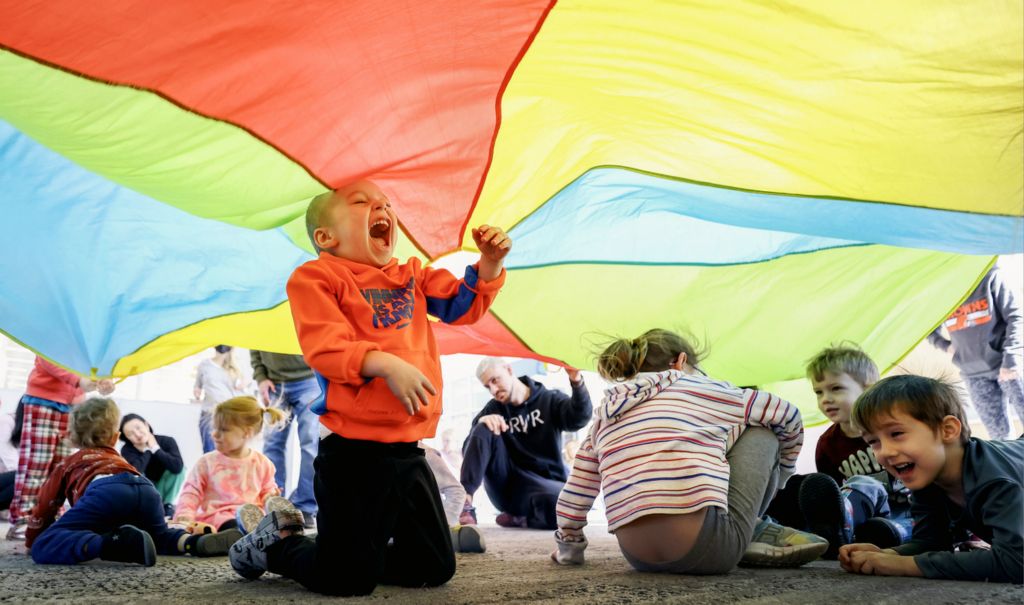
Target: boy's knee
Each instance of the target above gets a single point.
(444, 572)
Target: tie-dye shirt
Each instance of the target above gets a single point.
(218, 485)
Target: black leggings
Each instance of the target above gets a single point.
(370, 494)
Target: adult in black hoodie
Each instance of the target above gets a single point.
(155, 456)
(515, 446)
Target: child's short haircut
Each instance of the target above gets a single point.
(246, 413)
(94, 422)
(315, 215)
(925, 399)
(846, 358)
(652, 351)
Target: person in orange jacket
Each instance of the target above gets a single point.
(361, 319)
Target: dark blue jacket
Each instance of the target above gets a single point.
(534, 438)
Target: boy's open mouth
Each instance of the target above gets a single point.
(903, 469)
(380, 231)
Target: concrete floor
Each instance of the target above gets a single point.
(515, 569)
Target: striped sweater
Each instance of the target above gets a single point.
(658, 444)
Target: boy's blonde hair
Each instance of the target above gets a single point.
(926, 399)
(247, 414)
(94, 423)
(652, 351)
(846, 358)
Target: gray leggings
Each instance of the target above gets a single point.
(991, 397)
(753, 478)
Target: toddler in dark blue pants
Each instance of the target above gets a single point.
(115, 514)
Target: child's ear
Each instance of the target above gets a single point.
(678, 362)
(323, 238)
(950, 429)
(117, 435)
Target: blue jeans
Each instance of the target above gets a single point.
(296, 397)
(108, 503)
(206, 431)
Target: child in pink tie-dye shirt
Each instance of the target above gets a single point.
(233, 474)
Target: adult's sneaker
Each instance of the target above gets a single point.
(128, 544)
(248, 556)
(775, 545)
(825, 511)
(248, 516)
(468, 538)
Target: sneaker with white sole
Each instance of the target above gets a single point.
(775, 545)
(468, 538)
(248, 516)
(248, 556)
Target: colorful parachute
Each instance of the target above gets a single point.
(770, 176)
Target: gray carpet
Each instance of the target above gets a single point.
(515, 569)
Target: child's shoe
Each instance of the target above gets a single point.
(129, 544)
(248, 556)
(468, 515)
(16, 532)
(248, 516)
(218, 544)
(510, 520)
(468, 538)
(274, 503)
(881, 532)
(279, 503)
(826, 512)
(775, 545)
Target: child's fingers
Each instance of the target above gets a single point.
(407, 403)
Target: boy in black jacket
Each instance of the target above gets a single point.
(917, 429)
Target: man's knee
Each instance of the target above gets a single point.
(480, 432)
(542, 509)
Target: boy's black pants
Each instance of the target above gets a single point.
(369, 493)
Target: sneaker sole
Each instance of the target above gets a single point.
(765, 555)
(248, 516)
(468, 539)
(218, 544)
(821, 503)
(278, 503)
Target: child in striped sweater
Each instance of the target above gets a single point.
(687, 463)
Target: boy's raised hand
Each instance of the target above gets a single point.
(494, 244)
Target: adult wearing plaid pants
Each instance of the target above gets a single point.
(48, 397)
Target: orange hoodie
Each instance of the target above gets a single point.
(343, 310)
